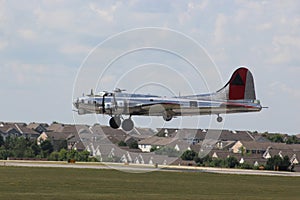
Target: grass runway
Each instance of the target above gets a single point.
(65, 183)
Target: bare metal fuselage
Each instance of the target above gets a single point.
(149, 105)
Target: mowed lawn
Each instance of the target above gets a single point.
(62, 183)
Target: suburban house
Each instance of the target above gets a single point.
(17, 130)
(154, 142)
(38, 127)
(250, 147)
(59, 133)
(267, 150)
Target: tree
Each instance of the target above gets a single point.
(203, 160)
(276, 138)
(277, 163)
(292, 140)
(216, 163)
(285, 163)
(168, 151)
(20, 147)
(134, 145)
(9, 142)
(4, 153)
(231, 162)
(29, 153)
(63, 144)
(246, 165)
(189, 155)
(62, 155)
(47, 148)
(122, 144)
(1, 141)
(72, 155)
(36, 149)
(242, 149)
(153, 148)
(83, 156)
(54, 156)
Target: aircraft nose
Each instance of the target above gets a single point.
(76, 103)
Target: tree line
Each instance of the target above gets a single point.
(274, 163)
(22, 147)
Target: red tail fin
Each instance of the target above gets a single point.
(240, 85)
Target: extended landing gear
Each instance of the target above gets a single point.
(127, 124)
(167, 116)
(115, 123)
(219, 119)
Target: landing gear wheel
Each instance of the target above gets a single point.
(127, 125)
(167, 117)
(115, 122)
(219, 119)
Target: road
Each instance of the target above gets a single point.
(139, 168)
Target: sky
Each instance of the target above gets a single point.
(46, 46)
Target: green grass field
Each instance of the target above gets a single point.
(62, 183)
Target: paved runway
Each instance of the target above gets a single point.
(139, 168)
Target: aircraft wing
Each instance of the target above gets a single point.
(153, 108)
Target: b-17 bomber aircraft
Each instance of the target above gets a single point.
(237, 96)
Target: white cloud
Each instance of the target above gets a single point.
(220, 26)
(52, 19)
(73, 49)
(106, 14)
(284, 50)
(30, 75)
(25, 73)
(286, 40)
(284, 90)
(264, 26)
(3, 44)
(27, 34)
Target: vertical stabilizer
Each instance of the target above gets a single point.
(240, 86)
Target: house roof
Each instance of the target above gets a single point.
(18, 127)
(114, 135)
(259, 138)
(56, 127)
(34, 125)
(143, 132)
(156, 141)
(224, 135)
(59, 135)
(252, 145)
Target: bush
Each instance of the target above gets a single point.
(54, 156)
(189, 155)
(122, 144)
(216, 163)
(246, 166)
(83, 156)
(231, 162)
(134, 145)
(168, 151)
(277, 163)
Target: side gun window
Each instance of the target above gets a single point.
(193, 104)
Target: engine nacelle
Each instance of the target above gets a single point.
(81, 111)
